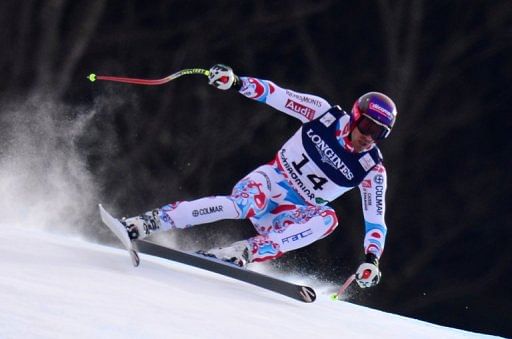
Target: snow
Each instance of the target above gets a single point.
(58, 286)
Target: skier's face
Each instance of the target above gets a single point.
(368, 126)
(360, 141)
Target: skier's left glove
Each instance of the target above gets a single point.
(368, 274)
(222, 77)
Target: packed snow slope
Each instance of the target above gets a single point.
(54, 286)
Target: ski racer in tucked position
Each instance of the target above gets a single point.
(287, 198)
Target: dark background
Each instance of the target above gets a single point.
(446, 64)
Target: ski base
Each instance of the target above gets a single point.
(298, 292)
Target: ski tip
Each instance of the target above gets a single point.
(135, 258)
(102, 209)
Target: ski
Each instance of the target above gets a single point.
(120, 232)
(295, 291)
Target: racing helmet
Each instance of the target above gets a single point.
(374, 113)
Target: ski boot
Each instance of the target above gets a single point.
(238, 253)
(142, 225)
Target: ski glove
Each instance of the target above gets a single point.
(222, 77)
(368, 274)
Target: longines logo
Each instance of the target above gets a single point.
(329, 156)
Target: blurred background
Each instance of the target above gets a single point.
(68, 144)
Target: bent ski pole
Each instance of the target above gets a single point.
(343, 288)
(93, 77)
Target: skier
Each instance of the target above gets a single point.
(287, 198)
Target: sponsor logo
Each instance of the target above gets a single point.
(367, 200)
(327, 119)
(304, 98)
(321, 201)
(379, 199)
(297, 236)
(379, 168)
(381, 110)
(207, 210)
(367, 183)
(379, 179)
(301, 109)
(294, 176)
(328, 155)
(367, 162)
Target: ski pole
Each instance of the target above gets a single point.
(93, 77)
(343, 288)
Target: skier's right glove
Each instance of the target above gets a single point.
(222, 77)
(368, 274)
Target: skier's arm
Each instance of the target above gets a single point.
(373, 197)
(373, 191)
(304, 107)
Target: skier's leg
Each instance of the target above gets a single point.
(291, 229)
(250, 197)
(181, 214)
(253, 194)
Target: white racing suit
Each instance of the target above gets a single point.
(286, 199)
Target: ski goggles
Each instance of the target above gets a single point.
(373, 128)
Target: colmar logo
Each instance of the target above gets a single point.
(207, 210)
(301, 109)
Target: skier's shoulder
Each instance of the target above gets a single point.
(334, 114)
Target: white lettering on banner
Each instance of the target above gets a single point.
(301, 109)
(329, 156)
